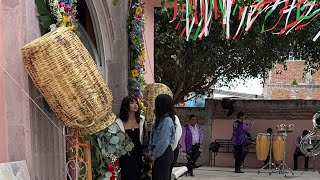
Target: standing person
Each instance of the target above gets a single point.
(175, 146)
(269, 131)
(162, 138)
(191, 142)
(132, 123)
(298, 152)
(247, 144)
(240, 130)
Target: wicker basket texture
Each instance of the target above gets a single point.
(66, 75)
(151, 91)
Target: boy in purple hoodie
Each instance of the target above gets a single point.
(240, 130)
(191, 142)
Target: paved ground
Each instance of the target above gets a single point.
(217, 173)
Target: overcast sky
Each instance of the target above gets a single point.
(250, 86)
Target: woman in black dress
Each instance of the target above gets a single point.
(132, 123)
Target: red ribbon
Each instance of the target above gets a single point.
(175, 10)
(216, 15)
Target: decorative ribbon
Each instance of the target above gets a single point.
(305, 12)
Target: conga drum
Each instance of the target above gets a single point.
(281, 128)
(278, 145)
(290, 128)
(262, 146)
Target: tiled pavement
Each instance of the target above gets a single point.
(218, 173)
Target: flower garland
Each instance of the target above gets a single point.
(136, 82)
(65, 13)
(113, 167)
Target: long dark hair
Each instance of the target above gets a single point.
(163, 106)
(125, 108)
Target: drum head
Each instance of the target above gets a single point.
(290, 128)
(263, 134)
(281, 128)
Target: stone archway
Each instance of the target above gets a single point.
(99, 13)
(109, 24)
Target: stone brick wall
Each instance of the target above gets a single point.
(294, 71)
(279, 83)
(316, 95)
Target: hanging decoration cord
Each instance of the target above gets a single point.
(35, 103)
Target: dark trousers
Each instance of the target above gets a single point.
(175, 158)
(193, 157)
(161, 167)
(295, 160)
(239, 156)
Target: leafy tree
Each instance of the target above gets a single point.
(194, 66)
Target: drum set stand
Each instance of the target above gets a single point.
(267, 143)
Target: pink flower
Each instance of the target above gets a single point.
(62, 4)
(66, 7)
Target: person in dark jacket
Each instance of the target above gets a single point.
(240, 129)
(298, 152)
(191, 142)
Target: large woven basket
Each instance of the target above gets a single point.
(151, 91)
(66, 75)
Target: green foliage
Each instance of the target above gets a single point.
(45, 16)
(294, 82)
(104, 144)
(195, 66)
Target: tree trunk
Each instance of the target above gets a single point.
(177, 92)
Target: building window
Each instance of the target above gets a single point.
(291, 57)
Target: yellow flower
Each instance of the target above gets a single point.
(142, 55)
(71, 28)
(139, 10)
(135, 73)
(64, 20)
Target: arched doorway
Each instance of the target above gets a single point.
(96, 32)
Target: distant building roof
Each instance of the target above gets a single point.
(232, 94)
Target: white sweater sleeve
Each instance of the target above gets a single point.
(178, 132)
